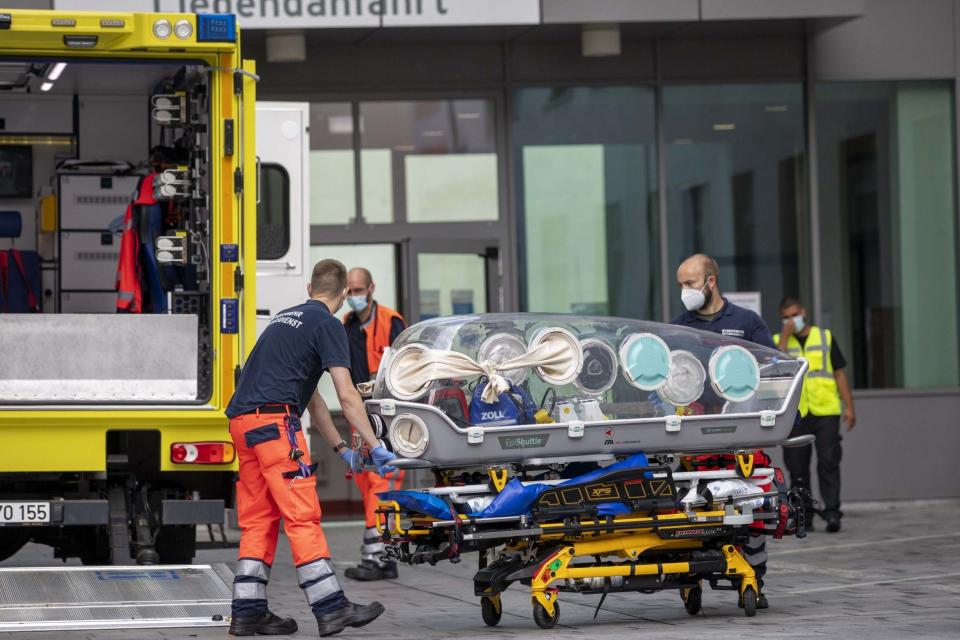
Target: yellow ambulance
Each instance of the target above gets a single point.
(128, 197)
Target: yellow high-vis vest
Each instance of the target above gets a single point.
(819, 395)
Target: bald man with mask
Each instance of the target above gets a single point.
(706, 309)
(371, 327)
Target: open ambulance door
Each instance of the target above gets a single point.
(283, 220)
(283, 216)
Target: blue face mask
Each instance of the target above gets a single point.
(357, 303)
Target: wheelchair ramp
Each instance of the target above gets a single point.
(142, 597)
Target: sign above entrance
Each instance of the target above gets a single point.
(328, 14)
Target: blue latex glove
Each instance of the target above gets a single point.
(353, 459)
(380, 459)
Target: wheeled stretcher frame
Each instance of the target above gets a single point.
(564, 545)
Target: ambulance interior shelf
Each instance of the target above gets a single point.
(131, 235)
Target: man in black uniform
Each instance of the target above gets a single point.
(279, 381)
(707, 310)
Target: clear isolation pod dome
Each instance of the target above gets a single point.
(596, 368)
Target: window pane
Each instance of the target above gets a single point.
(441, 153)
(586, 164)
(736, 187)
(273, 213)
(451, 284)
(888, 229)
(332, 175)
(381, 260)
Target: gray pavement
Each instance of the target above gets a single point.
(893, 572)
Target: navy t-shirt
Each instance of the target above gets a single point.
(289, 358)
(732, 321)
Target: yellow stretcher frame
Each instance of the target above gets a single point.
(62, 438)
(625, 543)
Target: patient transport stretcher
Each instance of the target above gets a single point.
(618, 387)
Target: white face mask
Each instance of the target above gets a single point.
(357, 303)
(693, 299)
(798, 323)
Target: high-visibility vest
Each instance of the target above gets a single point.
(819, 395)
(378, 335)
(129, 271)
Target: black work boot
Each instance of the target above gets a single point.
(264, 624)
(369, 571)
(349, 615)
(833, 522)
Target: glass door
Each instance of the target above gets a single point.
(445, 278)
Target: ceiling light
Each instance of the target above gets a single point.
(599, 40)
(56, 71)
(775, 108)
(340, 125)
(46, 86)
(286, 46)
(472, 115)
(724, 126)
(433, 133)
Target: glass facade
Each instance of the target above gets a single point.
(736, 181)
(888, 234)
(585, 161)
(735, 176)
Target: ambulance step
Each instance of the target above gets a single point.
(134, 597)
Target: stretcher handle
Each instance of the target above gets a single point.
(799, 441)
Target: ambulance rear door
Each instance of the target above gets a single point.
(283, 218)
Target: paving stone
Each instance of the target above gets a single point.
(884, 576)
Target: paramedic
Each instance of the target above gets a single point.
(371, 328)
(278, 382)
(820, 409)
(708, 310)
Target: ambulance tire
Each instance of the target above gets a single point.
(489, 612)
(749, 602)
(12, 540)
(177, 543)
(693, 603)
(543, 619)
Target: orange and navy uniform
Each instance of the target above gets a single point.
(367, 344)
(276, 475)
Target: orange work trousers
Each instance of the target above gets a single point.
(267, 490)
(370, 484)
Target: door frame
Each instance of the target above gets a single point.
(503, 230)
(487, 248)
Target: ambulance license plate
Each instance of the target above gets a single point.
(24, 512)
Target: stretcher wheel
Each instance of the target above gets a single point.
(543, 619)
(693, 602)
(749, 602)
(490, 612)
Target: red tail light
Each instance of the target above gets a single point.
(202, 453)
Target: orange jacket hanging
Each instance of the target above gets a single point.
(129, 273)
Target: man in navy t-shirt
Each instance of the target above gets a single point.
(278, 382)
(707, 310)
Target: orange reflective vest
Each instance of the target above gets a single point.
(129, 273)
(378, 335)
